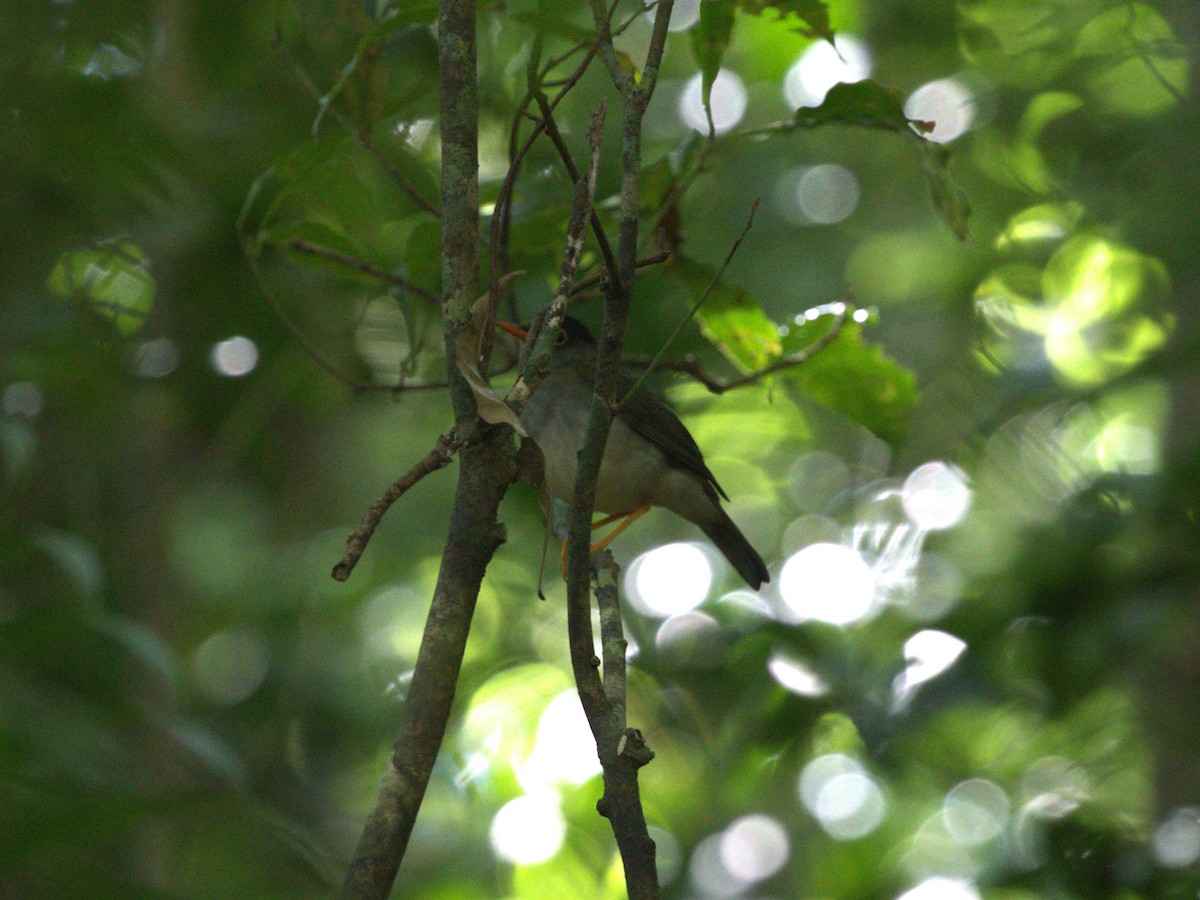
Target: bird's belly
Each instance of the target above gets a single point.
(630, 472)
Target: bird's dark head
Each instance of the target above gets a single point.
(572, 333)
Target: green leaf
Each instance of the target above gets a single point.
(813, 14)
(114, 279)
(287, 235)
(866, 103)
(949, 200)
(732, 319)
(423, 255)
(855, 378)
(710, 40)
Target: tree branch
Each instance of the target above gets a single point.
(437, 458)
(361, 265)
(595, 279)
(500, 214)
(621, 802)
(716, 279)
(363, 138)
(485, 471)
(690, 365)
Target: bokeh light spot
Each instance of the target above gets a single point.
(975, 811)
(693, 639)
(1177, 840)
(529, 829)
(235, 356)
(684, 14)
(669, 580)
(935, 496)
(828, 194)
(796, 676)
(565, 750)
(156, 358)
(816, 479)
(820, 67)
(948, 103)
(229, 666)
(842, 796)
(668, 855)
(23, 398)
(727, 100)
(754, 847)
(930, 653)
(829, 583)
(942, 888)
(708, 873)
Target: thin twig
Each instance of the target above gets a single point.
(363, 137)
(542, 338)
(504, 197)
(612, 632)
(621, 801)
(297, 332)
(596, 278)
(485, 469)
(360, 265)
(437, 458)
(564, 152)
(691, 366)
(716, 279)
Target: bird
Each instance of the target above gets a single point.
(651, 459)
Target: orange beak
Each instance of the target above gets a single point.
(512, 329)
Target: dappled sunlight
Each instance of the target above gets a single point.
(23, 399)
(828, 583)
(937, 589)
(691, 640)
(381, 338)
(930, 852)
(503, 716)
(817, 195)
(684, 14)
(707, 872)
(927, 654)
(669, 580)
(235, 356)
(668, 854)
(390, 622)
(1177, 839)
(1097, 306)
(935, 496)
(948, 376)
(796, 676)
(727, 101)
(821, 66)
(754, 847)
(156, 358)
(942, 888)
(817, 479)
(230, 666)
(842, 796)
(528, 829)
(948, 103)
(564, 750)
(1054, 787)
(975, 811)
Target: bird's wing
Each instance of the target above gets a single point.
(651, 418)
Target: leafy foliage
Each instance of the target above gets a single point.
(190, 706)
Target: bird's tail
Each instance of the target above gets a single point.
(730, 541)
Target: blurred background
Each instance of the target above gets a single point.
(974, 672)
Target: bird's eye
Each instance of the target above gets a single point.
(562, 337)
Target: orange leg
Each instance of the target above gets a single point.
(626, 521)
